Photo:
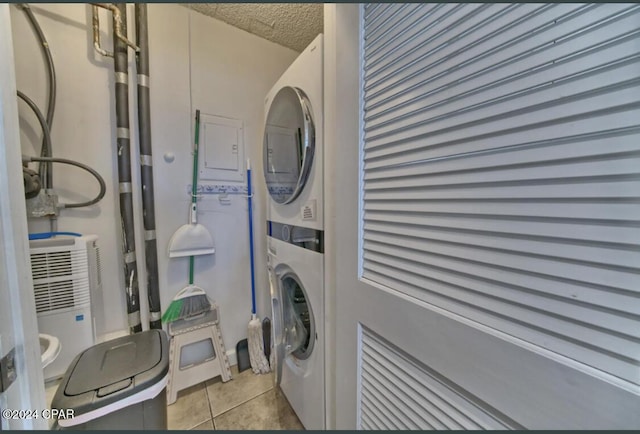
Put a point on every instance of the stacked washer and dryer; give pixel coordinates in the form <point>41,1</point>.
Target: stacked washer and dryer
<point>293,168</point>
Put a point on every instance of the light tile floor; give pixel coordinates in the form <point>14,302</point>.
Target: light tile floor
<point>248,401</point>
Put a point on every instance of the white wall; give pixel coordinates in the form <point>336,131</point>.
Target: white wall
<point>231,72</point>
<point>82,130</point>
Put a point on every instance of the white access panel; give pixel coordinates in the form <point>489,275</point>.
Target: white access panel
<point>222,148</point>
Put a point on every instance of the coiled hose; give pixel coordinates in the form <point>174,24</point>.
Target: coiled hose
<point>45,171</point>
<point>47,136</point>
<point>45,175</point>
<point>103,185</point>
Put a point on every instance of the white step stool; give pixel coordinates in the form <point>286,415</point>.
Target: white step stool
<point>196,352</point>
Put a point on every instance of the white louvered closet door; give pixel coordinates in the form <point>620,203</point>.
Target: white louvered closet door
<point>488,247</point>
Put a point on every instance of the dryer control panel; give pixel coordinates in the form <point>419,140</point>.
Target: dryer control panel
<point>307,238</point>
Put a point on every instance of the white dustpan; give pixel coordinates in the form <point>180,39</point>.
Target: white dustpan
<point>192,239</point>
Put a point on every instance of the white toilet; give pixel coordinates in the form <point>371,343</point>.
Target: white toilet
<point>49,348</point>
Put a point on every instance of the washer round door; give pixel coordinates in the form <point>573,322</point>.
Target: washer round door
<point>298,321</point>
<point>289,144</point>
<point>293,329</point>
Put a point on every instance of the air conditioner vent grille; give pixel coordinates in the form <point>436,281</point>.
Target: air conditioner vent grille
<point>60,280</point>
<point>51,264</point>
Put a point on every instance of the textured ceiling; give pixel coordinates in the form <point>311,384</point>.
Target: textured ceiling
<point>293,25</point>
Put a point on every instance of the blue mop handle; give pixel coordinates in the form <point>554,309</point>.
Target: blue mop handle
<point>253,278</point>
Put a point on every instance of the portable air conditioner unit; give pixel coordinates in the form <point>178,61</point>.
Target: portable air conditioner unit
<point>68,289</point>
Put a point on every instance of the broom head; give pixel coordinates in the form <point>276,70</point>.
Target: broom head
<point>190,301</point>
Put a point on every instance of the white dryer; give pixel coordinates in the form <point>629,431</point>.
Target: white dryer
<point>293,142</point>
<point>293,168</point>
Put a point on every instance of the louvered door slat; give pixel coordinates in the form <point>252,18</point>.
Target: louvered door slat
<point>576,192</point>
<point>525,93</point>
<point>622,211</point>
<point>611,256</point>
<point>377,12</point>
<point>623,280</point>
<point>397,393</point>
<point>501,173</point>
<point>393,23</point>
<point>541,36</point>
<point>393,414</point>
<point>450,409</point>
<point>440,415</point>
<point>403,70</point>
<point>477,24</point>
<point>390,387</point>
<point>419,149</point>
<point>613,336</point>
<point>558,172</point>
<point>546,68</point>
<point>507,322</point>
<point>590,104</point>
<point>370,418</point>
<point>412,25</point>
<point>430,25</point>
<point>576,148</point>
<point>571,232</point>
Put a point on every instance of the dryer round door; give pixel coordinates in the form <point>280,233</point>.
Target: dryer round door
<point>289,144</point>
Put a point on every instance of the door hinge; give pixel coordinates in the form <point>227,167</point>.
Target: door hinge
<point>8,372</point>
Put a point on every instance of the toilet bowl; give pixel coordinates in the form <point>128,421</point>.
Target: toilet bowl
<point>49,348</point>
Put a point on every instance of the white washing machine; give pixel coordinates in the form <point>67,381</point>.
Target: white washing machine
<point>296,278</point>
<point>293,168</point>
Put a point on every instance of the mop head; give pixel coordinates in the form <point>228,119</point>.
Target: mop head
<point>272,357</point>
<point>259,363</point>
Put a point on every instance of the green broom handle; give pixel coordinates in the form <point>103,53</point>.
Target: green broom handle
<point>194,185</point>
<point>191,262</point>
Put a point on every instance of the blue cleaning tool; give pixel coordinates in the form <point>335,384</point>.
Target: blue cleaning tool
<point>259,363</point>
<point>253,277</point>
<point>45,235</point>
